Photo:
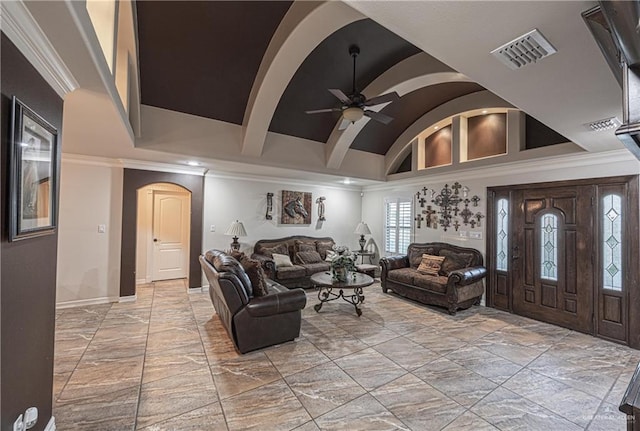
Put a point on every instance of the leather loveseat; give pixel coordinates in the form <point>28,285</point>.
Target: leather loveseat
<point>297,247</point>
<point>253,322</point>
<point>458,285</point>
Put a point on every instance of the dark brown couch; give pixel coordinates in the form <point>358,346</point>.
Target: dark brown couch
<point>458,285</point>
<point>252,322</point>
<point>300,273</point>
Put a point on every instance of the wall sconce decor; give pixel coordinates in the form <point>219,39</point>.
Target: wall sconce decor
<point>269,215</point>
<point>448,213</point>
<point>236,229</point>
<point>320,202</point>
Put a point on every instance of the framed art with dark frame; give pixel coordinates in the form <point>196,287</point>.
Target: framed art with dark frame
<point>33,174</point>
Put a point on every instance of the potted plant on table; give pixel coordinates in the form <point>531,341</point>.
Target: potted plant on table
<point>342,263</point>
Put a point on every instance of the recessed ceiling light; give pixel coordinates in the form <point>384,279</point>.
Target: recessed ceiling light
<point>347,181</point>
<point>435,128</point>
<point>193,163</point>
<point>484,111</point>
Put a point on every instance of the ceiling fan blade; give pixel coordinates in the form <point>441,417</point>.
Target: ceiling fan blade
<point>389,97</point>
<point>378,116</point>
<point>344,124</point>
<point>318,111</point>
<point>340,95</point>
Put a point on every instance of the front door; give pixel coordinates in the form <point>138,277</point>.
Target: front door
<point>170,235</point>
<point>552,255</point>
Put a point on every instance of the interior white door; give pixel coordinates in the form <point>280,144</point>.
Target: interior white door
<point>170,235</point>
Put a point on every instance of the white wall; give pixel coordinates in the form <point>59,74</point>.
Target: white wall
<point>579,166</point>
<point>89,261</point>
<point>227,199</point>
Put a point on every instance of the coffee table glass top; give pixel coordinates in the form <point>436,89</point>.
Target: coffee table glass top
<point>326,286</point>
<point>354,279</point>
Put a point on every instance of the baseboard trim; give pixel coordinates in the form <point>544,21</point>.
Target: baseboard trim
<point>84,302</point>
<point>51,426</point>
<point>130,298</point>
<point>197,289</point>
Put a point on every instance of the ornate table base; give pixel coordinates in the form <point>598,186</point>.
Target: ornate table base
<point>326,294</point>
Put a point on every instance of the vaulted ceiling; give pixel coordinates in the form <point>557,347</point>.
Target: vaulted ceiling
<point>227,82</point>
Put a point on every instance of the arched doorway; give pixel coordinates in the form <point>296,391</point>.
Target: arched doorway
<point>162,232</point>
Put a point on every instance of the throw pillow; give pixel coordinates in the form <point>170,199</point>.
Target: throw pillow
<point>323,247</point>
<point>256,276</point>
<point>430,264</point>
<point>308,257</point>
<point>301,246</point>
<point>237,255</point>
<point>278,249</point>
<point>330,255</point>
<point>454,260</point>
<point>282,260</point>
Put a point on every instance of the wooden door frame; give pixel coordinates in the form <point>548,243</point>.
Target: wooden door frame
<point>632,279</point>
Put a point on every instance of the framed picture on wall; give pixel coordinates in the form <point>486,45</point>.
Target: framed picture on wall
<point>33,174</point>
<point>296,207</point>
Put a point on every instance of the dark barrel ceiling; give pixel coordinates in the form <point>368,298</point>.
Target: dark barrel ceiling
<point>202,57</point>
<point>329,65</point>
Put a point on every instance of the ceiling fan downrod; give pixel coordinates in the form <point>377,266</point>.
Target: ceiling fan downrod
<point>354,50</point>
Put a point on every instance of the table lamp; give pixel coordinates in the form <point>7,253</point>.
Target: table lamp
<point>236,229</point>
<point>362,229</point>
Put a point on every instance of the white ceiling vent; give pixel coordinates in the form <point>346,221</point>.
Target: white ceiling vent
<point>526,49</point>
<point>605,124</point>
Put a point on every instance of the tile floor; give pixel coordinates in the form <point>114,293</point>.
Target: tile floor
<point>165,362</point>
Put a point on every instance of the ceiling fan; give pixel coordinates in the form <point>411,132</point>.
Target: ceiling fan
<point>354,105</point>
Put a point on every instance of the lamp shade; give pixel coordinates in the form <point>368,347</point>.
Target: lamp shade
<point>362,229</point>
<point>353,113</point>
<point>236,229</point>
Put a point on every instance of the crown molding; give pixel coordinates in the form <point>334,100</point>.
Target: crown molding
<point>283,180</point>
<point>162,167</point>
<point>516,168</point>
<point>23,30</point>
<point>79,159</point>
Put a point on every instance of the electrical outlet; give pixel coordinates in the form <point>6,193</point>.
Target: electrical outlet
<point>475,235</point>
<point>102,228</point>
<point>463,233</point>
<point>212,228</point>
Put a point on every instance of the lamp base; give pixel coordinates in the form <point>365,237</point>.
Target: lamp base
<point>235,245</point>
<point>362,242</point>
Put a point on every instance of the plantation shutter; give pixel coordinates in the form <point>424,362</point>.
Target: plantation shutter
<point>397,225</point>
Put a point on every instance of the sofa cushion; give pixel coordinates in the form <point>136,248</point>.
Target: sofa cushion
<point>282,260</point>
<point>323,246</point>
<point>402,275</point>
<point>289,272</point>
<point>454,260</point>
<point>256,276</point>
<point>277,248</point>
<point>415,253</point>
<point>430,264</point>
<point>433,283</point>
<point>302,247</point>
<point>304,257</point>
<point>312,268</point>
<point>330,255</point>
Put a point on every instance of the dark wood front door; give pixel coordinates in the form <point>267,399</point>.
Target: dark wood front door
<point>552,252</point>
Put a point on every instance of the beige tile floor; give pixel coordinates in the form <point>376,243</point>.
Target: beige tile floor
<point>165,362</point>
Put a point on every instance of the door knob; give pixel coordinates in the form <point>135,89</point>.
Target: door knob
<point>155,240</point>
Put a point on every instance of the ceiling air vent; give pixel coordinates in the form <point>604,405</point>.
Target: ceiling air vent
<point>526,49</point>
<point>602,125</point>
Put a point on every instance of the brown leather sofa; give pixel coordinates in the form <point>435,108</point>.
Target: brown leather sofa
<point>253,322</point>
<point>458,285</point>
<point>300,273</point>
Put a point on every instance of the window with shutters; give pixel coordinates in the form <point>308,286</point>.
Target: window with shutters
<point>397,231</point>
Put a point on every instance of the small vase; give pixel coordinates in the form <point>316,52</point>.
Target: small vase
<point>340,273</point>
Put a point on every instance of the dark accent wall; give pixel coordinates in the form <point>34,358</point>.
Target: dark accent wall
<point>437,148</point>
<point>487,136</point>
<point>135,179</point>
<point>27,267</point>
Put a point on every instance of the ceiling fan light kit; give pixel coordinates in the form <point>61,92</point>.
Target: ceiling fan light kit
<point>353,105</point>
<point>353,113</point>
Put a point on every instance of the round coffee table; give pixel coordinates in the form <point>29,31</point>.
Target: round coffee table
<point>325,284</point>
